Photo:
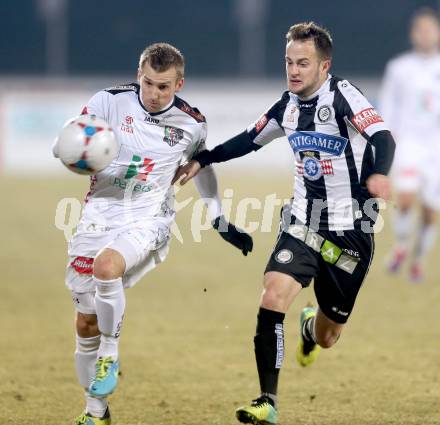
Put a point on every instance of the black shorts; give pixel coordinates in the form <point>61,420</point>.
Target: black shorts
<point>335,288</point>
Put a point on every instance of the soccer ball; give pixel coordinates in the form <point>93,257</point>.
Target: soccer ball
<point>86,145</point>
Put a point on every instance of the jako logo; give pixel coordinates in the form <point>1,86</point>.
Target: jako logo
<point>139,168</point>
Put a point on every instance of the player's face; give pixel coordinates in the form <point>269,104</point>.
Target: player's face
<point>158,88</point>
<point>306,70</point>
<point>425,34</point>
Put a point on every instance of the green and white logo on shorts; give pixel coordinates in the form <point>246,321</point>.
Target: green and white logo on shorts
<point>330,252</point>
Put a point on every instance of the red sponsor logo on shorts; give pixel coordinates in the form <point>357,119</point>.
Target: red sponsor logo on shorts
<point>83,265</point>
<point>365,118</point>
<point>261,123</point>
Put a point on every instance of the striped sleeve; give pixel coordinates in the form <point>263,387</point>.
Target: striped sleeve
<point>269,126</point>
<point>359,112</point>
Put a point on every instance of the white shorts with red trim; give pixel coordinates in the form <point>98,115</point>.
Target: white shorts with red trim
<point>415,170</point>
<point>143,247</point>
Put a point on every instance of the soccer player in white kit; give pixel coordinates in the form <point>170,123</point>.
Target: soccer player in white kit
<point>410,104</point>
<point>125,226</point>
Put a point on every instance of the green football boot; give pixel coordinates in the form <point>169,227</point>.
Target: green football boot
<point>259,412</point>
<point>88,419</point>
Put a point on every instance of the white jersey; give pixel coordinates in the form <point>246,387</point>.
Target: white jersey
<point>410,98</point>
<point>136,186</point>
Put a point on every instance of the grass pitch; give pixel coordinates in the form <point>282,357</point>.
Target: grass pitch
<point>186,348</point>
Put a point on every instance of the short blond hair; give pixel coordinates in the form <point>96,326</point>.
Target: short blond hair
<point>161,57</point>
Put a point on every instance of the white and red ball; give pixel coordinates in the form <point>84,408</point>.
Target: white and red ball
<point>86,145</point>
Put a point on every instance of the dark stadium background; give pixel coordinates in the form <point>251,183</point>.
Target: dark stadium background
<point>103,37</point>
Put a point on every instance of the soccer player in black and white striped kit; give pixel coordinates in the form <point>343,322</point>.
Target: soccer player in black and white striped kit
<point>343,153</point>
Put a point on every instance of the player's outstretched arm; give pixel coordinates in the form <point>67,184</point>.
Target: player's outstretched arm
<point>239,145</point>
<point>206,183</point>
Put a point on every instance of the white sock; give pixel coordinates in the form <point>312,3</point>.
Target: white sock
<point>110,308</point>
<point>109,347</point>
<point>86,354</point>
<point>425,240</point>
<point>96,406</point>
<point>403,221</point>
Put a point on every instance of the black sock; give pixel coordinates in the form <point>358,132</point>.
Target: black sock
<point>309,339</point>
<point>269,349</point>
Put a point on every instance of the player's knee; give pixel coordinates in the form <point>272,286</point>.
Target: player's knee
<point>87,325</point>
<point>274,297</point>
<point>108,265</point>
<point>406,201</point>
<point>429,216</point>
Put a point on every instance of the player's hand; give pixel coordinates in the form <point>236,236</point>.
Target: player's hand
<point>379,186</point>
<point>235,236</point>
<point>188,171</point>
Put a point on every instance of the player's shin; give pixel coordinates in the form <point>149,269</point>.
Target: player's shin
<point>96,406</point>
<point>269,350</point>
<point>403,227</point>
<point>110,307</point>
<point>425,240</point>
<point>86,354</point>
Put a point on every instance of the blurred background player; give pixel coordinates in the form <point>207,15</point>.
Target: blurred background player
<point>125,226</point>
<point>410,104</point>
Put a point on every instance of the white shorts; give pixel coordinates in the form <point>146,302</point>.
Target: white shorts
<point>415,170</point>
<point>143,248</point>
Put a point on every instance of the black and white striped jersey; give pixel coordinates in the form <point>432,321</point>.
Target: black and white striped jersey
<point>329,133</point>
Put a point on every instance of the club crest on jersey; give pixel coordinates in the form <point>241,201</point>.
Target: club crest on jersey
<point>312,168</point>
<point>173,135</point>
<point>301,141</point>
<point>324,113</point>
